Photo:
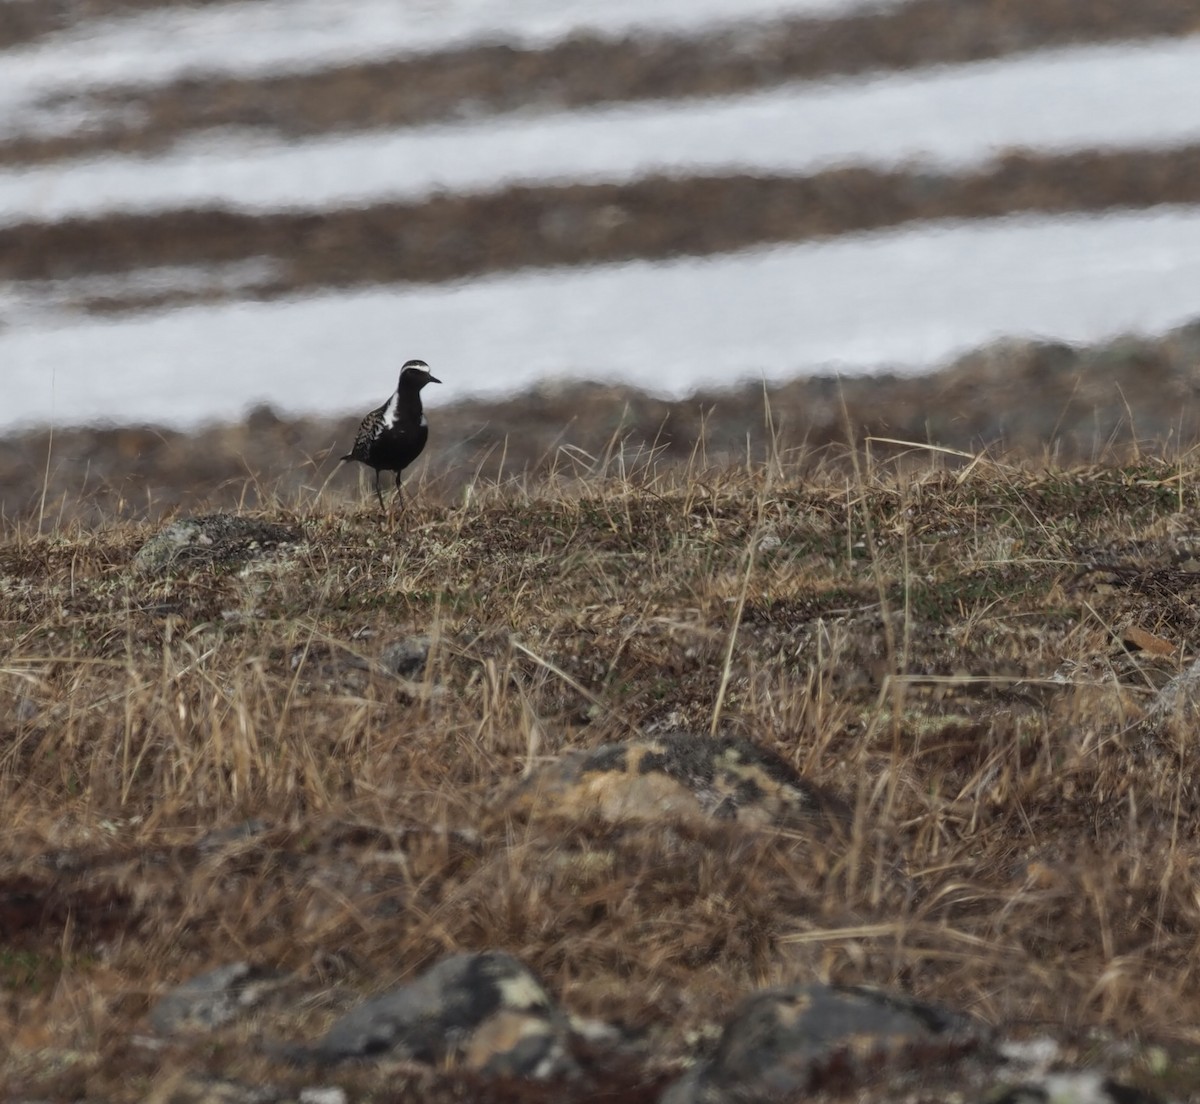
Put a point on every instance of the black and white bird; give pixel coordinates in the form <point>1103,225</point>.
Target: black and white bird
<point>392,436</point>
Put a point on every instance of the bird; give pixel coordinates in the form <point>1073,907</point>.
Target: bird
<point>392,436</point>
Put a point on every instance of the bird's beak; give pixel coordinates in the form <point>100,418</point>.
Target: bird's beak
<point>434,379</point>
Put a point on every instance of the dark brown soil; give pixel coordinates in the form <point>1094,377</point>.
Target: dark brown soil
<point>456,236</point>
<point>23,21</point>
<point>585,70</point>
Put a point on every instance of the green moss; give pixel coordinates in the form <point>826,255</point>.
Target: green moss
<point>30,972</point>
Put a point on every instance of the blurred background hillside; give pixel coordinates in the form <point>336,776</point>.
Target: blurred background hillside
<point>224,225</point>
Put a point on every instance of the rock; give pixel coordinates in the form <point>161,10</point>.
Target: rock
<point>331,1095</point>
<point>211,999</point>
<point>213,539</point>
<point>336,667</point>
<point>406,657</point>
<point>1086,1087</point>
<point>789,1041</point>
<point>1178,701</point>
<point>673,775</point>
<point>487,1008</point>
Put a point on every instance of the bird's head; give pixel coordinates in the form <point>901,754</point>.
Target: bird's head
<point>416,374</point>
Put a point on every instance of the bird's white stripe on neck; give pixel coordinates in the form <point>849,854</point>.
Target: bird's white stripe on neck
<point>391,412</point>
<point>424,423</point>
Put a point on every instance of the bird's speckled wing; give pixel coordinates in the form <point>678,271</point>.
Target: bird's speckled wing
<point>368,433</point>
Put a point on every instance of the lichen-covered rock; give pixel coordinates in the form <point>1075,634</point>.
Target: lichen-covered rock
<point>405,658</point>
<point>675,775</point>
<point>781,1042</point>
<point>212,539</point>
<point>486,1008</point>
<point>211,999</point>
<point>1080,1087</point>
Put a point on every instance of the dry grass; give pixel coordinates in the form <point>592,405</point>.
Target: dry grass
<point>1020,847</point>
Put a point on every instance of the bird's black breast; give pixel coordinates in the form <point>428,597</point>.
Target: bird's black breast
<point>395,447</point>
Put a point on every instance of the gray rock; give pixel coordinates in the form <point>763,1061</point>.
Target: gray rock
<point>1082,1087</point>
<point>486,1007</point>
<point>211,999</point>
<point>680,775</point>
<point>330,1095</point>
<point>406,657</point>
<point>213,539</point>
<point>783,1042</point>
<point>1179,701</point>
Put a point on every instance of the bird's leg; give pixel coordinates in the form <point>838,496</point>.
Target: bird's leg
<point>399,491</point>
<point>378,492</point>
